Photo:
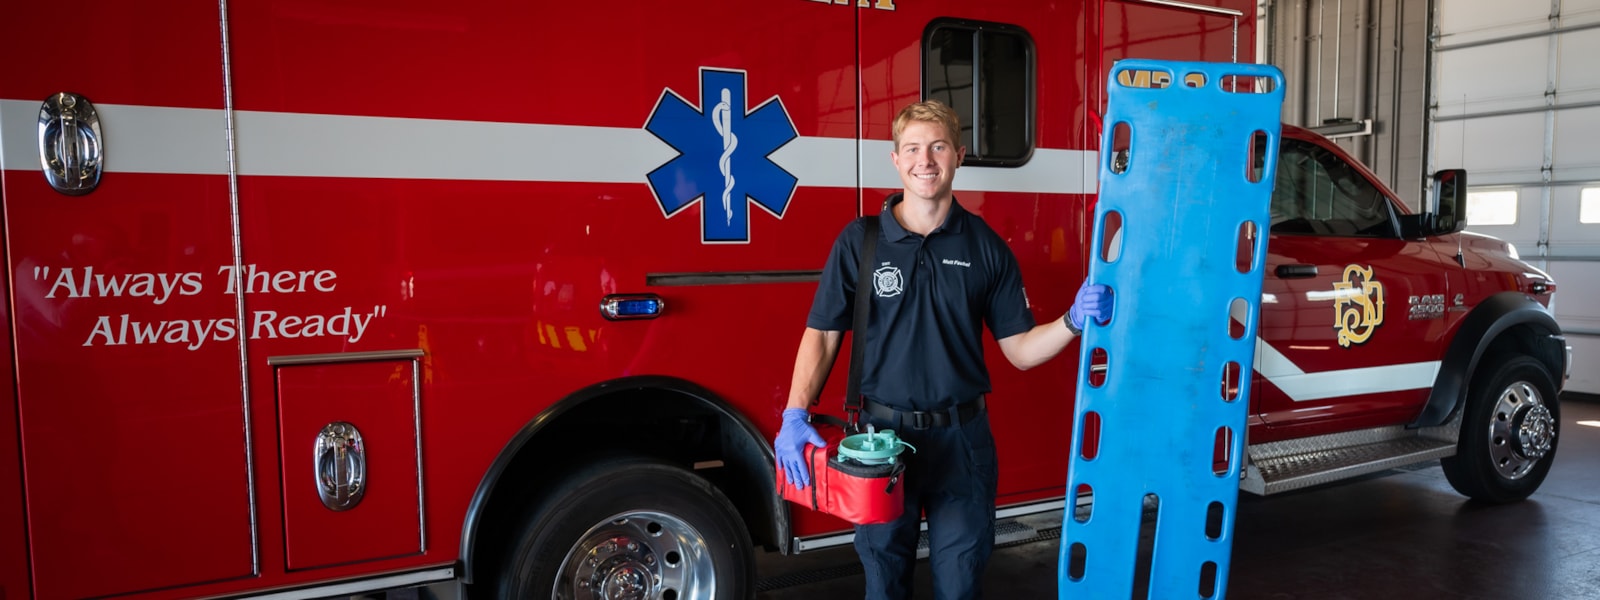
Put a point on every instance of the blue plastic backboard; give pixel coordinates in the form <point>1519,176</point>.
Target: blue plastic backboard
<point>1184,197</point>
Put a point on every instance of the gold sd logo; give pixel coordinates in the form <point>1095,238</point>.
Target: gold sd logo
<point>1357,305</point>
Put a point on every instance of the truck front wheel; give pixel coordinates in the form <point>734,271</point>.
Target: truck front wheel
<point>1508,432</point>
<point>631,529</point>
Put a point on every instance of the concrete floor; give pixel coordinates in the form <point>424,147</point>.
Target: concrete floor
<point>1403,533</point>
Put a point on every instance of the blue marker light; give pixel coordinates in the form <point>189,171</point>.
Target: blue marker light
<point>621,307</point>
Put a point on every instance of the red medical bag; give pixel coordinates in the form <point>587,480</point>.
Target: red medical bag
<point>859,493</point>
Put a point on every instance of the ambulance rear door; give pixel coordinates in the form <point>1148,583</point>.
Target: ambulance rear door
<point>127,353</point>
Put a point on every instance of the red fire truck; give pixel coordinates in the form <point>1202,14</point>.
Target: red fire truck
<point>312,298</point>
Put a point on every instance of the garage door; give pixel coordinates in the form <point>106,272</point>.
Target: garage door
<point>1516,101</point>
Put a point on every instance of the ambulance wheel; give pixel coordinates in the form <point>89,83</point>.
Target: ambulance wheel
<point>1508,432</point>
<point>630,528</point>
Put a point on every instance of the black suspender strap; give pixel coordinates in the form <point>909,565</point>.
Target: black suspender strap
<point>858,344</point>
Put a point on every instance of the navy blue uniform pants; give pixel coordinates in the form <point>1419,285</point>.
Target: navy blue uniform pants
<point>952,478</point>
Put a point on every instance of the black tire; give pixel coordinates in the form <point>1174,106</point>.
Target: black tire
<point>1508,432</point>
<point>630,528</point>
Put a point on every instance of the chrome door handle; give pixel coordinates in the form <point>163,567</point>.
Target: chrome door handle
<point>341,466</point>
<point>70,147</point>
<point>1295,271</point>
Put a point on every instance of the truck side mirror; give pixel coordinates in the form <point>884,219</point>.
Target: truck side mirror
<point>1445,210</point>
<point>1448,201</point>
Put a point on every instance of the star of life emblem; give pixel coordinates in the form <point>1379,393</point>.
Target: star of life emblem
<point>724,162</point>
<point>887,282</point>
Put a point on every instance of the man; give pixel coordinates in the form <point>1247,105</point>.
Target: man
<point>939,275</point>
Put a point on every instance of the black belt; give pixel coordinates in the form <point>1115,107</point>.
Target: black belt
<point>923,419</point>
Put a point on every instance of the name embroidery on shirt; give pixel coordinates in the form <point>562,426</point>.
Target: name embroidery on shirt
<point>959,263</point>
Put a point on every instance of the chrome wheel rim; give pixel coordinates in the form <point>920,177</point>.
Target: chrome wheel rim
<point>1521,432</point>
<point>637,555</point>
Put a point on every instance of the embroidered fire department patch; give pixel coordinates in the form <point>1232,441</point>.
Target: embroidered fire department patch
<point>887,282</point>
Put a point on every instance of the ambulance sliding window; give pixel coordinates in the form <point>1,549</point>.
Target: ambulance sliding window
<point>985,72</point>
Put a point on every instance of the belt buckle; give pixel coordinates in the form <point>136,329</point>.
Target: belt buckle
<point>921,420</point>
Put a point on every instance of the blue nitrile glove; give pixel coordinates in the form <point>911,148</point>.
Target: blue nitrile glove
<point>791,446</point>
<point>1094,300</point>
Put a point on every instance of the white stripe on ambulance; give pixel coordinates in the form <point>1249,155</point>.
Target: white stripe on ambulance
<point>146,139</point>
<point>1301,386</point>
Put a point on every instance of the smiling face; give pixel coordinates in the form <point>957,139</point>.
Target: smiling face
<point>926,155</point>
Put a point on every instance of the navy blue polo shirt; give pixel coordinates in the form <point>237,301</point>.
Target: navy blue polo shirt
<point>931,298</point>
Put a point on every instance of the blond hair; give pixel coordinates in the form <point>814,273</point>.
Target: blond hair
<point>931,111</point>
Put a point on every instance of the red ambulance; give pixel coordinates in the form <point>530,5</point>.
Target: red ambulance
<point>312,298</point>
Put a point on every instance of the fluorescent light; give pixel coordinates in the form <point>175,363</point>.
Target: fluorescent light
<point>1338,128</point>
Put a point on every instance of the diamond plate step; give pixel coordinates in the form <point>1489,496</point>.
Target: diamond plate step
<point>1005,532</point>
<point>1282,466</point>
<point>1008,532</point>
